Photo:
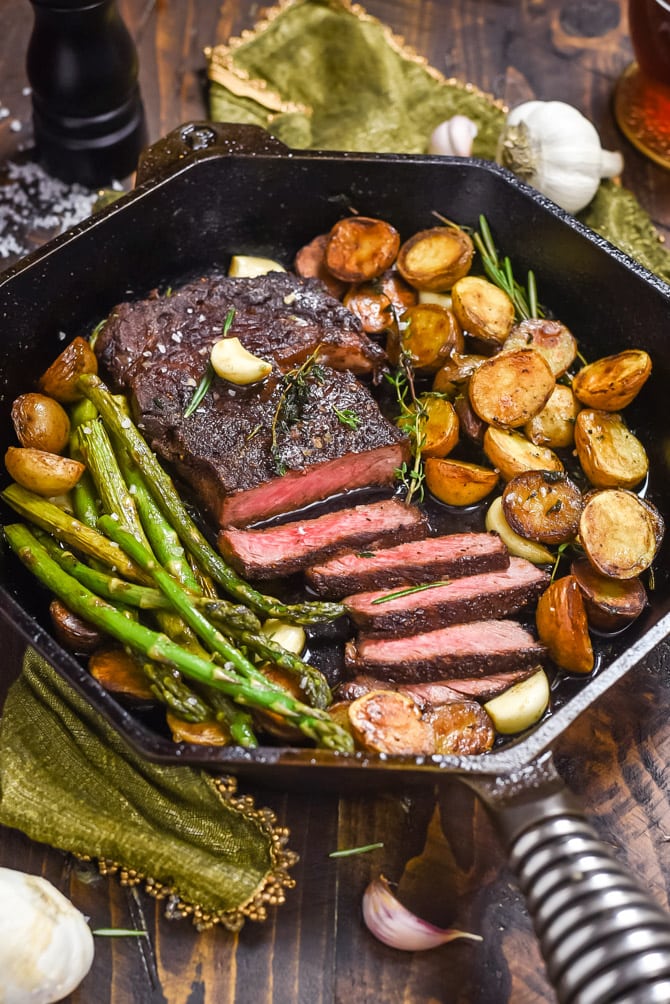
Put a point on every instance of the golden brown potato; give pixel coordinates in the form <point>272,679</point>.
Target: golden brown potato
<point>461,728</point>
<point>438,426</point>
<point>550,338</point>
<point>120,673</point>
<point>511,453</point>
<point>371,306</point>
<point>562,626</point>
<point>361,248</point>
<point>543,505</point>
<point>554,426</point>
<point>620,532</point>
<point>207,733</point>
<point>612,382</point>
<point>483,310</point>
<point>610,455</point>
<point>43,473</point>
<point>401,295</point>
<point>428,334</point>
<point>384,721</point>
<point>457,482</point>
<point>611,604</point>
<point>434,259</point>
<point>512,387</point>
<point>310,263</point>
<point>72,631</point>
<point>40,423</point>
<point>455,372</point>
<point>60,380</point>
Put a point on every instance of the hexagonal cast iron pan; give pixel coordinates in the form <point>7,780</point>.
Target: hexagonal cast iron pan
<point>210,190</point>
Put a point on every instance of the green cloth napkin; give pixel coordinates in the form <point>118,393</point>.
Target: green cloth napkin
<point>68,779</point>
<point>324,74</point>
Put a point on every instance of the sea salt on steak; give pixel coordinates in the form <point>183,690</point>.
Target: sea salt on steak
<point>241,457</point>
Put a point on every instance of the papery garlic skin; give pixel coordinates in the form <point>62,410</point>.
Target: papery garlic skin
<point>396,926</point>
<point>553,147</point>
<point>454,137</point>
<point>46,945</point>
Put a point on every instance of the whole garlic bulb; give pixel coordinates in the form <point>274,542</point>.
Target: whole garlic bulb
<point>553,147</point>
<point>46,946</point>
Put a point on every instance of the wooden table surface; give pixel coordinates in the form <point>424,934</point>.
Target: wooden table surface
<point>615,758</point>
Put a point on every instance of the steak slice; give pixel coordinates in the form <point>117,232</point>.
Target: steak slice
<point>479,688</point>
<point>458,651</point>
<point>282,550</point>
<point>434,558</point>
<point>488,595</point>
<point>278,316</point>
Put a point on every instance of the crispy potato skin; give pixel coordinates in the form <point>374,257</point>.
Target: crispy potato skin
<point>482,309</point>
<point>611,383</point>
<point>385,721</point>
<point>458,483</point>
<point>554,426</point>
<point>550,338</point>
<point>511,387</point>
<point>361,248</point>
<point>620,532</point>
<point>435,259</point>
<point>60,379</point>
<point>40,423</point>
<point>429,334</point>
<point>371,306</point>
<point>439,426</point>
<point>610,455</point>
<point>207,733</point>
<point>310,263</point>
<point>511,453</point>
<point>611,604</point>
<point>73,633</point>
<point>543,505</point>
<point>455,372</point>
<point>562,625</point>
<point>118,672</point>
<point>460,728</point>
<point>43,473</point>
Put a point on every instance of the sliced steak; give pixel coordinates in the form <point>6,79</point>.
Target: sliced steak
<point>457,554</point>
<point>476,597</point>
<point>458,652</point>
<point>282,550</point>
<point>480,688</point>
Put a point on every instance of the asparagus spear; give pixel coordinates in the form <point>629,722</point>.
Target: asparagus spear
<point>84,498</point>
<point>165,494</point>
<point>314,723</point>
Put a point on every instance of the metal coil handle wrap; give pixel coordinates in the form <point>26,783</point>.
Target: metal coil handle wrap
<point>603,938</point>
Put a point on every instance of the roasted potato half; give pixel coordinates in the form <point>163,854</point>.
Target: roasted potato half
<point>457,482</point>
<point>460,728</point>
<point>620,532</point>
<point>550,338</point>
<point>438,426</point>
<point>385,721</point>
<point>455,372</point>
<point>40,423</point>
<point>610,455</point>
<point>554,426</point>
<point>371,306</point>
<point>208,733</point>
<point>511,453</point>
<point>543,505</point>
<point>428,334</point>
<point>44,473</point>
<point>60,379</point>
<point>120,673</point>
<point>510,388</point>
<point>562,626</point>
<point>612,382</point>
<point>611,604</point>
<point>515,544</point>
<point>310,263</point>
<point>74,633</point>
<point>360,248</point>
<point>472,426</point>
<point>483,310</point>
<point>434,259</point>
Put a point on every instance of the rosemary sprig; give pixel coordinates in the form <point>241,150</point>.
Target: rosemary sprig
<point>206,382</point>
<point>412,411</point>
<point>348,852</point>
<point>500,273</point>
<point>408,592</point>
<point>294,394</point>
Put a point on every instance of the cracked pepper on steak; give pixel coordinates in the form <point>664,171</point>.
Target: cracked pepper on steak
<point>157,349</point>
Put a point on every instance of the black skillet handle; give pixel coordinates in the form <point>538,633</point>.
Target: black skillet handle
<point>603,939</point>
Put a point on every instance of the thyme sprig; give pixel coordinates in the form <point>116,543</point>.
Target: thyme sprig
<point>292,400</point>
<point>348,417</point>
<point>410,419</point>
<point>206,382</point>
<point>500,273</point>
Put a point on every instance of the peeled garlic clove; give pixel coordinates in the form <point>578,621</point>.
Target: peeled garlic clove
<point>231,361</point>
<point>454,137</point>
<point>516,544</point>
<point>395,925</point>
<point>46,946</point>
<point>521,706</point>
<point>244,266</point>
<point>290,636</point>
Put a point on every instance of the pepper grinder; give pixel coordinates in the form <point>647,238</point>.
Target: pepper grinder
<point>88,117</point>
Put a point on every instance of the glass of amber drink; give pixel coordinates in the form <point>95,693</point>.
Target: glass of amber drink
<point>642,96</point>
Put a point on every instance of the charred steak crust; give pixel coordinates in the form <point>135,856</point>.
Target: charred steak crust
<point>289,548</point>
<point>243,463</point>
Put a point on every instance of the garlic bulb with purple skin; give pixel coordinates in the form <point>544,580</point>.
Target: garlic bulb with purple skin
<point>396,926</point>
<point>454,137</point>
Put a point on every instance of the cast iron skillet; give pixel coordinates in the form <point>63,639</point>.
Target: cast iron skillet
<point>210,190</point>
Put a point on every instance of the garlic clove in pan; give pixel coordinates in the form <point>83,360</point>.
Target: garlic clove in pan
<point>521,706</point>
<point>231,361</point>
<point>396,926</point>
<point>553,147</point>
<point>243,266</point>
<point>46,946</point>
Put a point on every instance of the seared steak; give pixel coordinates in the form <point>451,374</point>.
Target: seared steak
<point>412,564</point>
<point>458,651</point>
<point>282,550</point>
<point>256,451</point>
<point>480,688</point>
<point>476,597</point>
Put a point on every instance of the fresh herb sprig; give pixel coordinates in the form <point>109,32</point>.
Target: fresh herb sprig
<point>348,417</point>
<point>292,400</point>
<point>412,413</point>
<point>500,273</point>
<point>206,382</point>
<point>387,597</point>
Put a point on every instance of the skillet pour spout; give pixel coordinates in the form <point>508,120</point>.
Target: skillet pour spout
<point>603,939</point>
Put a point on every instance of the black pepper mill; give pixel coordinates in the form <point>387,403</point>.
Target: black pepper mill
<point>88,117</point>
